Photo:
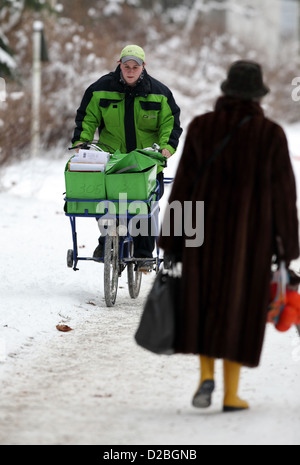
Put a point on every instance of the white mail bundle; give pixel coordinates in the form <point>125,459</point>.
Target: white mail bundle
<point>89,160</point>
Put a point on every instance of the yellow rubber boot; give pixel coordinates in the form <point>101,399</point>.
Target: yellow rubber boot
<point>207,368</point>
<point>202,397</point>
<point>232,402</point>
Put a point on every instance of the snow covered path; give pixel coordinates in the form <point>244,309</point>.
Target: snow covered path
<point>94,385</point>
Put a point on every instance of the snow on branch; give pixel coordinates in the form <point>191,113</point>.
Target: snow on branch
<point>7,60</point>
<point>11,14</point>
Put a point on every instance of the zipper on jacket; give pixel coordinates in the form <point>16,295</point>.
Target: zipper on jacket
<point>129,123</point>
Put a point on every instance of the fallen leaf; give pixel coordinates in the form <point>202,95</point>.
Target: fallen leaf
<point>63,328</point>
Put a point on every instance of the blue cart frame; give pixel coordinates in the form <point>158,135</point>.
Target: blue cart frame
<point>118,250</point>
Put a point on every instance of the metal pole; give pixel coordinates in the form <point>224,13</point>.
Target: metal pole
<point>38,27</point>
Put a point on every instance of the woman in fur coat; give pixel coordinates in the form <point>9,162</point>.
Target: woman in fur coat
<point>249,196</point>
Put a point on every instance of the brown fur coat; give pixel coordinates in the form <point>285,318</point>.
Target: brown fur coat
<point>249,198</point>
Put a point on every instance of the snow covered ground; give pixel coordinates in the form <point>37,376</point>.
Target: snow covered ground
<point>94,385</point>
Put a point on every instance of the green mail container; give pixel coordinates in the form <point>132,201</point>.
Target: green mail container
<point>137,186</point>
<point>81,208</point>
<point>84,185</point>
<point>101,186</point>
<point>134,162</point>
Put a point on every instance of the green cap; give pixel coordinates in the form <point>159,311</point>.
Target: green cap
<point>133,52</point>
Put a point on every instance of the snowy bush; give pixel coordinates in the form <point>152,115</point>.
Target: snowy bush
<point>84,43</point>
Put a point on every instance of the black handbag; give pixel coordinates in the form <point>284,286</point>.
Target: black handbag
<point>157,328</point>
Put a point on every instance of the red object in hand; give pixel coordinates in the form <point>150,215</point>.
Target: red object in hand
<point>291,312</point>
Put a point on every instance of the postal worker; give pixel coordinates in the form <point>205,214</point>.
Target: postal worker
<point>130,110</point>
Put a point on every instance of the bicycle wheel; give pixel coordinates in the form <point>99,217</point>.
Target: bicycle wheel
<point>111,268</point>
<point>134,277</point>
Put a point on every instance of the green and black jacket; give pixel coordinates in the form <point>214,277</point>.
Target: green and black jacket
<point>127,117</point>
